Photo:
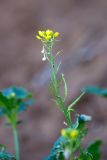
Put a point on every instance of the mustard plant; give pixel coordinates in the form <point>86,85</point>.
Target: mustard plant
<point>69,144</point>
<point>12,101</point>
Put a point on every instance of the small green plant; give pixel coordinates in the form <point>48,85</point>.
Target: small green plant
<point>69,145</point>
<point>12,101</point>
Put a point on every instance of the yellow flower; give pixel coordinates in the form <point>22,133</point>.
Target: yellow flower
<point>74,133</point>
<point>38,37</point>
<point>41,33</point>
<point>49,32</point>
<point>48,38</point>
<point>47,35</point>
<point>63,133</point>
<point>56,34</point>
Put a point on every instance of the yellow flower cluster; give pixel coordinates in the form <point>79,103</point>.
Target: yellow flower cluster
<point>47,35</point>
<point>73,133</point>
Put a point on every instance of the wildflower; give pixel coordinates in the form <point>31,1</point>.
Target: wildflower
<point>49,32</point>
<point>41,33</point>
<point>74,133</point>
<point>56,34</point>
<point>47,36</point>
<point>39,38</point>
<point>63,133</point>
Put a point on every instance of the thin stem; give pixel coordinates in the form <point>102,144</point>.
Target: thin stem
<point>16,142</point>
<point>56,85</point>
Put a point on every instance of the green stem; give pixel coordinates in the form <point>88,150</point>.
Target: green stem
<point>16,142</point>
<point>56,85</point>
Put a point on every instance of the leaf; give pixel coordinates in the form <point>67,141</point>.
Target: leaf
<point>65,87</point>
<point>57,150</point>
<point>95,150</point>
<point>75,101</point>
<point>52,90</point>
<point>18,92</point>
<point>4,101</point>
<point>81,121</point>
<point>2,111</point>
<point>57,69</point>
<point>59,53</point>
<point>84,118</point>
<point>14,100</point>
<point>96,90</point>
<point>6,156</point>
<point>24,105</point>
<point>21,92</point>
<point>85,156</point>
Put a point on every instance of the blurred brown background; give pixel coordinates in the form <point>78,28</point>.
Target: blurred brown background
<point>83,28</point>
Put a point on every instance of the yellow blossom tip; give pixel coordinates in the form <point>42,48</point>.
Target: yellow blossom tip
<point>56,34</point>
<point>48,38</point>
<point>41,33</point>
<point>63,132</point>
<point>38,37</point>
<point>74,133</point>
<point>49,32</point>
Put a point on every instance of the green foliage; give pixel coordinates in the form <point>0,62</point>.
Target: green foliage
<point>57,150</point>
<point>75,101</point>
<point>14,100</point>
<point>6,156</point>
<point>95,150</point>
<point>69,145</point>
<point>65,86</point>
<point>19,92</point>
<point>85,156</point>
<point>96,91</point>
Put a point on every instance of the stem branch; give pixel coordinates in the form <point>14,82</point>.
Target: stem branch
<point>56,85</point>
<point>16,142</point>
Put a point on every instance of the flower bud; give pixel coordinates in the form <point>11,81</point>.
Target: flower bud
<point>49,32</point>
<point>74,133</point>
<point>38,37</point>
<point>41,33</point>
<point>56,34</point>
<point>63,132</point>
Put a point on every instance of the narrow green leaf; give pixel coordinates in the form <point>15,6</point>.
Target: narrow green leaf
<point>58,53</point>
<point>52,90</point>
<point>58,67</point>
<point>57,150</point>
<point>65,87</point>
<point>57,104</point>
<point>75,101</point>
